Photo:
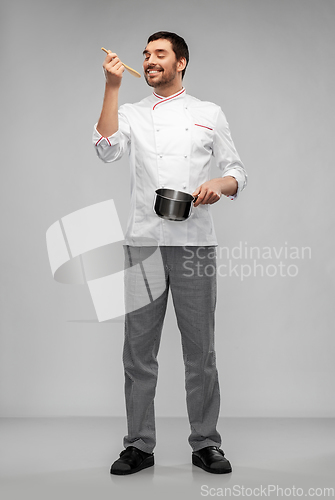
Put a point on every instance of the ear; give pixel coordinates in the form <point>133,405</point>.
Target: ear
<point>181,64</point>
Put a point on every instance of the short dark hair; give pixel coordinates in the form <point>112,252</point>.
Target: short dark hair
<point>179,45</point>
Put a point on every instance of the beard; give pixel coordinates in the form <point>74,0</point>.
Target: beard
<point>165,77</point>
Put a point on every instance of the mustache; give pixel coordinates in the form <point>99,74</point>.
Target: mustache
<point>153,67</point>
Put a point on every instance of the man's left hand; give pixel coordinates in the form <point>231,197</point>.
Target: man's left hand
<point>211,191</point>
<point>208,193</point>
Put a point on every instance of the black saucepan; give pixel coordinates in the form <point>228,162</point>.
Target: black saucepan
<point>173,205</point>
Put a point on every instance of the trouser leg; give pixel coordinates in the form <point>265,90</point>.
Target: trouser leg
<point>143,327</point>
<point>194,298</point>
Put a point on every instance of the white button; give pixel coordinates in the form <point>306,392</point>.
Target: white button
<point>186,128</point>
<point>184,186</point>
<point>185,156</point>
<point>157,130</point>
<point>161,156</point>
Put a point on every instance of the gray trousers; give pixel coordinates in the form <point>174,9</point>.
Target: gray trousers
<point>190,273</point>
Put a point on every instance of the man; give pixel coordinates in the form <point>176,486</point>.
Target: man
<point>170,138</point>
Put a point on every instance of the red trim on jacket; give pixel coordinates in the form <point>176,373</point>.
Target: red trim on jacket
<point>168,99</point>
<point>102,137</point>
<point>204,126</point>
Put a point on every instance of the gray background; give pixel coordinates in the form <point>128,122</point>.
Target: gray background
<point>270,66</point>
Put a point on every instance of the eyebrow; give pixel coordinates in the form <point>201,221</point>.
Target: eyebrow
<point>157,50</point>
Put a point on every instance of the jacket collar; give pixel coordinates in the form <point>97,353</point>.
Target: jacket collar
<point>160,99</point>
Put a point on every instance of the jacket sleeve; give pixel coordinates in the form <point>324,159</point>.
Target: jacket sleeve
<point>112,148</point>
<point>226,156</point>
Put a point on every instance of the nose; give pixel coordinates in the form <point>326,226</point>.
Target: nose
<point>151,60</point>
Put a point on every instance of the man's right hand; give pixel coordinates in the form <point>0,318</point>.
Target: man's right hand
<point>113,69</point>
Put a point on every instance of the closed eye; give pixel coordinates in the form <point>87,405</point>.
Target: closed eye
<point>159,57</point>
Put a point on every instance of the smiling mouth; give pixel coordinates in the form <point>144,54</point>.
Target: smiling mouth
<point>153,72</point>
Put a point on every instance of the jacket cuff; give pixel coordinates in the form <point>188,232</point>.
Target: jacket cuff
<point>99,139</point>
<point>240,182</point>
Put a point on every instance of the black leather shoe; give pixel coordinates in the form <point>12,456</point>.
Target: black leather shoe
<point>132,460</point>
<point>211,459</point>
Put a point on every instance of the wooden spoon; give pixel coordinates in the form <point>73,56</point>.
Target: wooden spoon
<point>128,68</point>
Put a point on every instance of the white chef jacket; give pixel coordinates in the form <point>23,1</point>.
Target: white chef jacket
<point>170,141</point>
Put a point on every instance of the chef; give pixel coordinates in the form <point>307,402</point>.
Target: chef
<point>170,138</point>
